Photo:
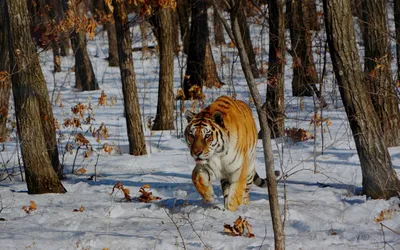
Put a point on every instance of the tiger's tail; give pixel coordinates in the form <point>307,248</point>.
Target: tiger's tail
<point>260,182</point>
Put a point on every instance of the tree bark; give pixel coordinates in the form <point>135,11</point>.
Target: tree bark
<point>164,119</point>
<point>276,68</point>
<point>32,105</point>
<point>377,68</point>
<point>5,82</point>
<point>379,179</point>
<point>304,72</point>
<point>183,10</point>
<point>248,46</point>
<point>137,145</point>
<point>236,36</point>
<point>396,8</point>
<point>85,78</point>
<point>218,28</point>
<point>200,70</point>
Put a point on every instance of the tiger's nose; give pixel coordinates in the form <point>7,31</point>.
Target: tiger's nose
<point>197,152</point>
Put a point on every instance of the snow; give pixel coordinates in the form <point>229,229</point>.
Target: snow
<point>325,209</point>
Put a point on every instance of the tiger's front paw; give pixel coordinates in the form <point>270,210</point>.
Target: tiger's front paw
<point>203,186</point>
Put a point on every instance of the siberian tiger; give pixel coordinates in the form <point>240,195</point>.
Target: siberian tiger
<point>223,139</point>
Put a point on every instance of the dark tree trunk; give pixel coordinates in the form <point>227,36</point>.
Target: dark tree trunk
<point>5,82</point>
<point>396,7</point>
<point>85,79</point>
<point>200,70</point>
<point>183,10</point>
<point>137,145</point>
<point>32,106</point>
<point>379,178</point>
<point>304,72</point>
<point>109,26</point>
<point>218,28</point>
<point>276,67</point>
<point>377,68</point>
<point>244,29</point>
<point>165,106</point>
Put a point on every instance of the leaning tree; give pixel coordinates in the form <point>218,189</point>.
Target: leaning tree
<point>379,179</point>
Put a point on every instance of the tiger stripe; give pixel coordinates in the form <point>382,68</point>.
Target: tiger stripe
<point>223,140</point>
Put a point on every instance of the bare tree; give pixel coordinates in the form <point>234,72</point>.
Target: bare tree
<point>234,33</point>
<point>379,178</point>
<point>304,71</point>
<point>5,81</point>
<point>104,14</point>
<point>85,78</point>
<point>377,68</point>
<point>200,70</point>
<point>274,105</point>
<point>162,19</point>
<point>183,11</point>
<point>396,8</point>
<point>31,105</point>
<point>137,145</point>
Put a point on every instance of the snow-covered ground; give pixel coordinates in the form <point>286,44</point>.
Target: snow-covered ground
<point>324,207</point>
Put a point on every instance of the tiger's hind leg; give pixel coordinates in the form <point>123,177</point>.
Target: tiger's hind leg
<point>202,180</point>
<point>249,183</point>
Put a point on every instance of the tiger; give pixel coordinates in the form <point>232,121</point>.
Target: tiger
<point>222,139</point>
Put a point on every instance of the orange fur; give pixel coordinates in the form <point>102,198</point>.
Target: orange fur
<point>234,121</point>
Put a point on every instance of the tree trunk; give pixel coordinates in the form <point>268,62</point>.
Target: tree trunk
<point>377,68</point>
<point>276,68</point>
<point>396,8</point>
<point>244,29</point>
<point>85,79</point>
<point>112,43</point>
<point>218,28</point>
<point>165,106</point>
<point>304,72</point>
<point>183,10</point>
<point>379,178</point>
<point>137,145</point>
<point>235,35</point>
<point>32,104</point>
<point>200,70</point>
<point>5,82</point>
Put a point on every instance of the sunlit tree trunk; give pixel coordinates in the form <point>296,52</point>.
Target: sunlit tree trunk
<point>32,104</point>
<point>137,145</point>
<point>379,179</point>
<point>377,68</point>
<point>162,20</point>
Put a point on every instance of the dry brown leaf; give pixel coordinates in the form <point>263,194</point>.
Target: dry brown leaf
<point>81,139</point>
<point>80,171</point>
<point>81,209</point>
<point>298,134</point>
<point>241,227</point>
<point>102,101</point>
<point>32,207</point>
<point>125,191</point>
<point>385,215</point>
<point>147,196</point>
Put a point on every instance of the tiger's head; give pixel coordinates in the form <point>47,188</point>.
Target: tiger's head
<point>205,135</point>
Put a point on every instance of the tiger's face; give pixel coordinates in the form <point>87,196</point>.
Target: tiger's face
<point>204,136</point>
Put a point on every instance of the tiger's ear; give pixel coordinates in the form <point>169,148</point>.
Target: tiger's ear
<point>218,118</point>
<point>189,115</point>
